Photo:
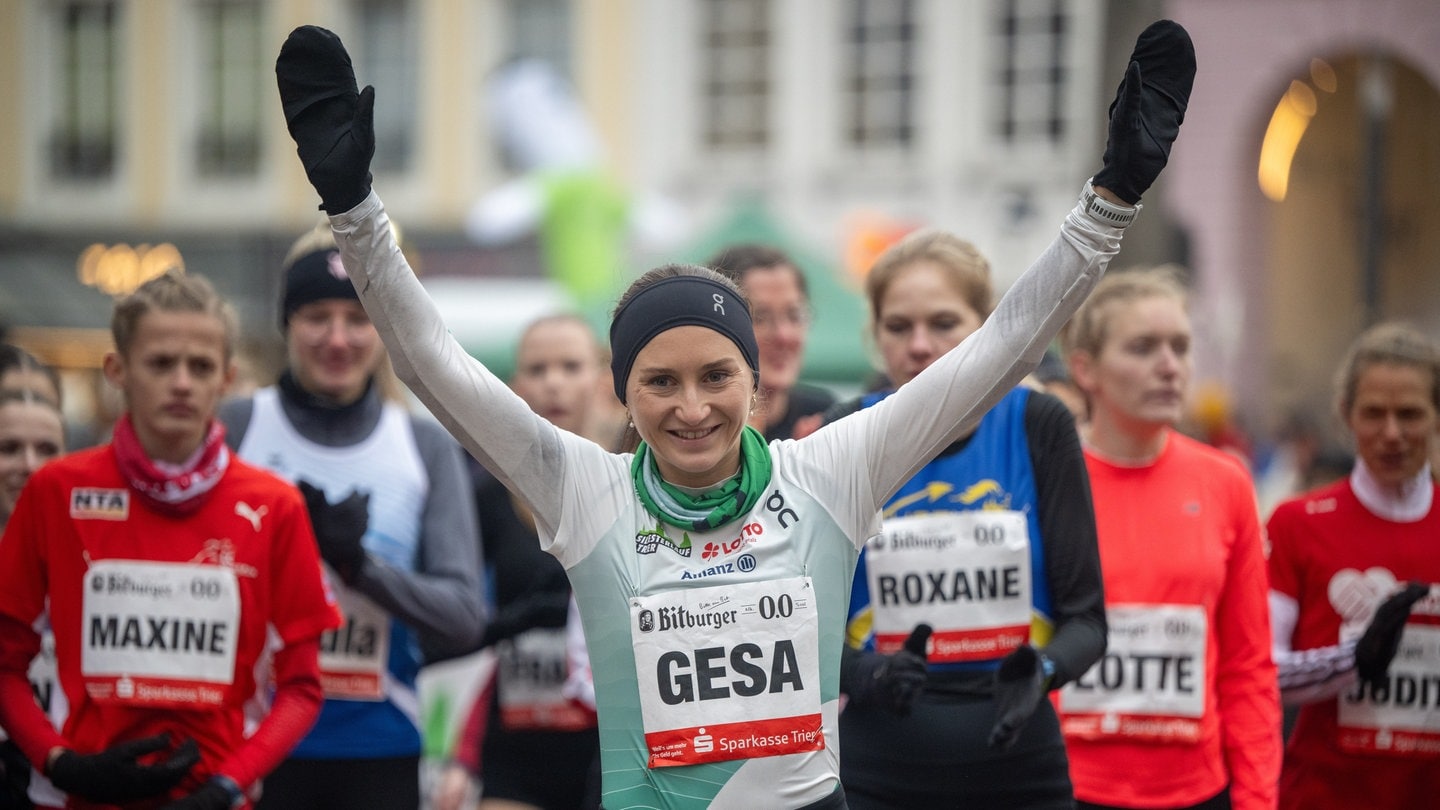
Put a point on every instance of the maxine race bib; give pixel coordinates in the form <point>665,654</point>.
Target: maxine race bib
<point>159,634</point>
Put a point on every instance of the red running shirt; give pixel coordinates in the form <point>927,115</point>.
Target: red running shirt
<point>1180,544</point>
<point>1337,560</point>
<point>159,621</point>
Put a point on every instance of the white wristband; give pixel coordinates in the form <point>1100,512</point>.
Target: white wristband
<point>1107,212</point>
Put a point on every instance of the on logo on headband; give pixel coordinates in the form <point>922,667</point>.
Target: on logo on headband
<point>685,300</point>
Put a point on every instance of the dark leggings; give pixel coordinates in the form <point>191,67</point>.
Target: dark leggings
<point>940,756</point>
<point>552,770</point>
<point>343,784</point>
<point>1220,801</point>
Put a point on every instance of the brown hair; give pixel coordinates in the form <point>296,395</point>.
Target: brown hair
<point>1090,325</point>
<point>15,359</point>
<point>737,260</point>
<point>171,291</point>
<point>1392,343</point>
<point>963,264</point>
<point>561,318</point>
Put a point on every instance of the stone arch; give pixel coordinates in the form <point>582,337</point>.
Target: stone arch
<point>1327,275</point>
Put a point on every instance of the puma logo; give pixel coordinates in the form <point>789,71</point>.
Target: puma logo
<point>251,514</point>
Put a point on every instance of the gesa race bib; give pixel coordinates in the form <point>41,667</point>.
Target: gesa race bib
<point>353,658</point>
<point>966,574</point>
<point>1402,717</point>
<point>159,634</point>
<point>1149,685</point>
<point>729,672</point>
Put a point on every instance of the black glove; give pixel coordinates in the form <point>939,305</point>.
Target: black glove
<point>892,681</point>
<point>339,528</point>
<point>1020,684</point>
<point>116,776</point>
<point>1148,109</point>
<point>213,795</point>
<point>332,124</point>
<point>1377,646</point>
<point>14,776</point>
<point>543,609</point>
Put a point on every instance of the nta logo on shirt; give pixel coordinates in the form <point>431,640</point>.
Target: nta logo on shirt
<point>99,504</point>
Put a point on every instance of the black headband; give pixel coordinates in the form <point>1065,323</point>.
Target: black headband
<point>679,301</point>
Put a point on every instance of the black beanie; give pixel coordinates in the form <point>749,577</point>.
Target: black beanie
<point>314,277</point>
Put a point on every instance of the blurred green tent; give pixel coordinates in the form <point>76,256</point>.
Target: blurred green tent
<point>835,353</point>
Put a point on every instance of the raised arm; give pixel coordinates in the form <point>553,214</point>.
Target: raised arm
<point>902,433</point>
<point>331,122</point>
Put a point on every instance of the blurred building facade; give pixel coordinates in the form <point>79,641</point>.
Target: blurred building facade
<point>1309,184</point>
<point>133,132</point>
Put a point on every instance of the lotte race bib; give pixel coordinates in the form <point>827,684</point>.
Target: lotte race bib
<point>728,672</point>
<point>1150,684</point>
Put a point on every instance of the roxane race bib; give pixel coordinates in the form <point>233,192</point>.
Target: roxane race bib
<point>966,574</point>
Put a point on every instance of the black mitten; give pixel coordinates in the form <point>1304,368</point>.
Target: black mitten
<point>1148,109</point>
<point>332,123</point>
<point>1377,646</point>
<point>213,795</point>
<point>892,681</point>
<point>116,775</point>
<point>339,528</point>
<point>543,609</point>
<point>1020,685</point>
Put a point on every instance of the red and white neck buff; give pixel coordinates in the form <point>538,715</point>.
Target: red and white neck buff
<point>172,489</point>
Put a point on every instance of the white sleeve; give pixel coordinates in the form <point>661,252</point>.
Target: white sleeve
<point>523,450</point>
<point>891,441</point>
<point>1307,675</point>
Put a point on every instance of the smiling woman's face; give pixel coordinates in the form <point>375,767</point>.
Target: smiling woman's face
<point>1394,420</point>
<point>31,433</point>
<point>690,393</point>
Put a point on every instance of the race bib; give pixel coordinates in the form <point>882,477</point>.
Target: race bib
<point>729,672</point>
<point>966,574</point>
<point>1150,684</point>
<point>1401,717</point>
<point>44,678</point>
<point>532,670</point>
<point>159,634</point>
<point>353,659</point>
